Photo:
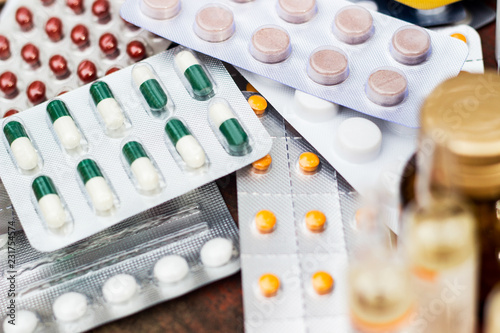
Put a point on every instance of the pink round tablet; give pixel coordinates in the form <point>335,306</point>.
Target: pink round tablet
<point>353,25</point>
<point>214,23</point>
<point>328,65</point>
<point>387,87</point>
<point>160,9</point>
<point>270,44</point>
<point>297,11</point>
<point>411,45</point>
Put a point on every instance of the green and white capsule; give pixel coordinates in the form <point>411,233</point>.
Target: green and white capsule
<point>190,67</point>
<point>97,188</point>
<point>225,121</point>
<point>49,202</point>
<point>185,143</point>
<point>21,146</point>
<point>149,86</point>
<point>107,106</point>
<point>142,168</point>
<point>68,133</point>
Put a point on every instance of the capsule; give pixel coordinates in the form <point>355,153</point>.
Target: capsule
<point>69,135</point>
<point>22,148</point>
<point>225,121</point>
<point>144,171</point>
<point>185,143</point>
<point>149,87</point>
<point>49,202</point>
<point>97,188</point>
<point>107,106</point>
<point>188,65</point>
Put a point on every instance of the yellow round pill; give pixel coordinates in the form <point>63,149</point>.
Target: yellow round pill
<point>263,164</point>
<point>258,104</point>
<point>265,221</point>
<point>308,162</point>
<point>251,88</point>
<point>322,283</point>
<point>459,36</point>
<point>315,221</point>
<point>269,285</point>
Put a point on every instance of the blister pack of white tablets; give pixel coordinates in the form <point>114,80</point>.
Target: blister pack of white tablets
<point>335,50</point>
<point>102,153</point>
<point>153,257</point>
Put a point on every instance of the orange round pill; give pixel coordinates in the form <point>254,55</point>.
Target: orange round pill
<point>251,88</point>
<point>308,162</point>
<point>263,164</point>
<point>265,221</point>
<point>459,36</point>
<point>315,221</point>
<point>322,283</point>
<point>258,104</point>
<point>269,285</point>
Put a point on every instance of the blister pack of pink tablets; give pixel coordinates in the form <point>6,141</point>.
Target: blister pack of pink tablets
<point>335,50</point>
<point>48,47</point>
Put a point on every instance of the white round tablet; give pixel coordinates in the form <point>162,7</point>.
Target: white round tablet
<point>25,322</point>
<point>119,288</point>
<point>70,306</point>
<point>3,240</point>
<point>358,140</point>
<point>312,108</point>
<point>216,252</point>
<point>171,269</point>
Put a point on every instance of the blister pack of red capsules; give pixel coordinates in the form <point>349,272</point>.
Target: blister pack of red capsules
<point>48,47</point>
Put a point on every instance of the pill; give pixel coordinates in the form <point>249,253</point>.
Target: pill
<point>150,88</point>
<point>24,18</point>
<point>8,84</point>
<point>87,72</point>
<point>387,87</point>
<point>100,9</point>
<point>297,11</point>
<point>411,45</point>
<point>160,9</point>
<point>250,88</point>
<point>36,92</point>
<point>460,37</point>
<point>171,269</point>
<point>26,322</point>
<point>328,66</point>
<point>143,169</point>
<point>70,306</point>
<point>59,66</point>
<point>76,6</point>
<point>270,44</point>
<point>308,162</point>
<point>109,45</point>
<point>322,283</point>
<point>265,221</point>
<point>185,143</point>
<point>190,67</point>
<point>10,113</point>
<point>315,221</point>
<point>119,288</point>
<point>358,140</point>
<point>4,48</point>
<point>49,202</point>
<point>224,120</point>
<point>47,2</point>
<point>216,252</point>
<point>214,23</point>
<point>97,188</point>
<point>80,35</point>
<point>66,130</point>
<point>31,55</point>
<point>54,29</point>
<point>136,50</point>
<point>263,164</point>
<point>110,111</point>
<point>112,70</point>
<point>353,24</point>
<point>258,104</point>
<point>129,25</point>
<point>269,284</point>
<point>312,108</point>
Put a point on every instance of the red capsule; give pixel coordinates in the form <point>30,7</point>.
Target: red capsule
<point>100,9</point>
<point>47,2</point>
<point>4,48</point>
<point>30,54</point>
<point>108,44</point>
<point>136,50</point>
<point>36,92</point>
<point>129,25</point>
<point>112,70</point>
<point>80,35</point>
<point>59,66</point>
<point>54,29</point>
<point>10,113</point>
<point>24,18</point>
<point>87,72</point>
<point>8,84</point>
<point>75,5</point>
<point>62,92</point>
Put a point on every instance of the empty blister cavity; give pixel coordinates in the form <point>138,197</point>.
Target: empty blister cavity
<point>228,129</point>
<point>387,86</point>
<point>51,205</point>
<point>312,108</point>
<point>70,307</point>
<point>21,146</point>
<point>328,65</point>
<point>270,44</point>
<point>216,252</point>
<point>353,25</point>
<point>358,140</point>
<point>185,145</point>
<point>193,74</point>
<point>214,23</point>
<point>120,288</point>
<point>296,11</point>
<point>171,269</point>
<point>109,112</point>
<point>410,45</point>
<point>160,9</point>
<point>25,322</point>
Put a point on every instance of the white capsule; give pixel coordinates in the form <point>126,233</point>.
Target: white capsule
<point>171,269</point>
<point>111,113</point>
<point>219,113</point>
<point>25,322</point>
<point>24,153</point>
<point>184,60</point>
<point>67,132</point>
<point>100,194</point>
<point>216,252</point>
<point>145,173</point>
<point>119,288</point>
<point>52,210</point>
<point>70,306</point>
<point>191,151</point>
<point>141,73</point>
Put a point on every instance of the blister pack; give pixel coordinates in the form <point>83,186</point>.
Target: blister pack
<point>153,257</point>
<point>102,153</point>
<point>335,50</point>
<point>5,210</point>
<point>53,46</point>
